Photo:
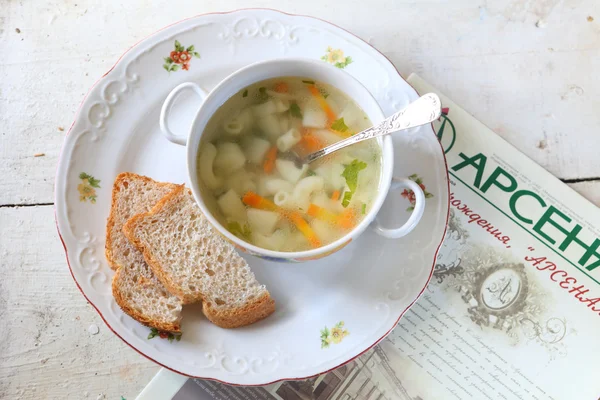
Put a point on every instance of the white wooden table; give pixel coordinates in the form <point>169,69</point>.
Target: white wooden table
<point>527,69</point>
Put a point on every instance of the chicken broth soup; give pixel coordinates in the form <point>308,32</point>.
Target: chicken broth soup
<point>248,165</point>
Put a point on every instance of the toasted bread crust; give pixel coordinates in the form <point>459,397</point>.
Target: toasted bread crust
<point>175,327</point>
<point>252,312</point>
<point>116,289</point>
<point>112,218</point>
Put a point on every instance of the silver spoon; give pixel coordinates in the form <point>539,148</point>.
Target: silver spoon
<point>424,110</point>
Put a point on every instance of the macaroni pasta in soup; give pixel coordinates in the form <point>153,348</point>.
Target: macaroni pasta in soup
<point>253,183</point>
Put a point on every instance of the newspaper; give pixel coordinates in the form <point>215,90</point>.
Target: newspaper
<point>513,308</point>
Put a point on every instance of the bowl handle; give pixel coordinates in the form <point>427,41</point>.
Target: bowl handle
<point>166,110</point>
<point>416,215</point>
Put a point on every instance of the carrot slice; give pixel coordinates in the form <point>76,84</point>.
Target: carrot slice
<point>341,134</point>
<point>322,103</point>
<point>335,196</point>
<point>322,214</point>
<point>254,200</point>
<point>308,143</point>
<point>347,219</point>
<point>303,227</point>
<point>269,163</point>
<point>281,87</point>
<point>312,142</point>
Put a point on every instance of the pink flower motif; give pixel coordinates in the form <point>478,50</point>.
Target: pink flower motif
<point>184,57</point>
<point>180,58</point>
<point>410,195</point>
<point>175,56</point>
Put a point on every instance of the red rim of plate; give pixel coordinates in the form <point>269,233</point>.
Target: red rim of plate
<point>282,379</point>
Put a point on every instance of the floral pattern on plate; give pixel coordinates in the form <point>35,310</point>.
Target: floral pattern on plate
<point>114,115</point>
<point>87,188</point>
<point>336,58</point>
<point>164,335</point>
<point>334,335</point>
<point>410,195</point>
<point>180,57</point>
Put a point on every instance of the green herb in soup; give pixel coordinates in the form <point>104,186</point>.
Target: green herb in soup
<point>351,175</point>
<point>250,179</point>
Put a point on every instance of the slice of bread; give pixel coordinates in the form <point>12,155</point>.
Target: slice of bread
<point>135,288</point>
<point>196,264</point>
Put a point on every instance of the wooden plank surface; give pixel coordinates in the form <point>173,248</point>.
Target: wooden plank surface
<point>590,190</point>
<point>53,344</point>
<point>510,63</point>
<point>525,69</point>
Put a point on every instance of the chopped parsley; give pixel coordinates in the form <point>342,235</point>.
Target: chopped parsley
<point>295,110</point>
<point>364,209</point>
<point>340,126</point>
<point>351,175</point>
<point>347,198</point>
<point>309,82</point>
<point>262,94</point>
<point>310,172</point>
<point>245,94</point>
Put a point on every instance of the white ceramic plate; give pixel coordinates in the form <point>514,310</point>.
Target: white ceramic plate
<point>328,311</point>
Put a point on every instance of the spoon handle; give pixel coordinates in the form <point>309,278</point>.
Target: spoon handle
<point>424,110</point>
